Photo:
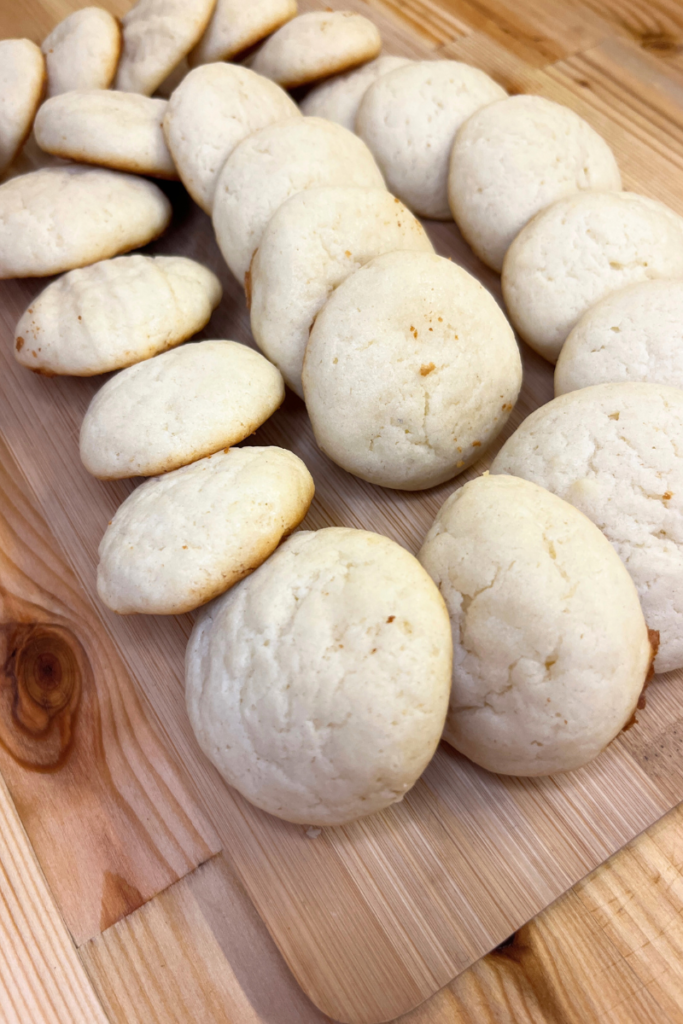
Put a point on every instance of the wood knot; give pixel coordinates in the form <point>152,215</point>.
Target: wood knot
<point>40,688</point>
<point>661,42</point>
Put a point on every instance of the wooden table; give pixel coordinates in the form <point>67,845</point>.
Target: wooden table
<point>612,948</point>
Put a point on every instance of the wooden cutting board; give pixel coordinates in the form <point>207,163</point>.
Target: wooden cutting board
<point>94,742</point>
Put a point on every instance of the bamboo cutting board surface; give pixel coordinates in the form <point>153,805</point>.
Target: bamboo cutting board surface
<point>94,743</point>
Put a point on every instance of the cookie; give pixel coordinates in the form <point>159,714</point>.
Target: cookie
<point>157,34</point>
<point>22,80</point>
<point>275,163</point>
<point>236,26</point>
<point>122,130</point>
<point>411,371</point>
<point>215,108</point>
<point>409,118</point>
<point>311,244</point>
<point>551,651</point>
<point>184,538</point>
<point>317,45</point>
<point>82,51</point>
<point>635,334</point>
<point>178,407</point>
<point>338,99</point>
<point>60,218</point>
<point>579,250</point>
<point>115,313</point>
<point>513,158</point>
<point>615,451</point>
<point>319,685</point>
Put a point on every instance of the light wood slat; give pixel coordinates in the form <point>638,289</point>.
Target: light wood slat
<point>41,978</point>
<point>33,19</point>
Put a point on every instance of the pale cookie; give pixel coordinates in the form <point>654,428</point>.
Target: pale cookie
<point>215,108</point>
<point>22,80</point>
<point>157,34</point>
<point>122,130</point>
<point>178,407</point>
<point>512,159</point>
<point>64,217</point>
<point>317,45</point>
<point>579,250</point>
<point>314,241</point>
<point>115,313</point>
<point>635,334</point>
<point>409,118</point>
<point>275,163</point>
<point>338,99</point>
<point>551,651</point>
<point>184,538</point>
<point>615,451</point>
<point>82,52</point>
<point>411,371</point>
<point>236,26</point>
<point>319,686</point>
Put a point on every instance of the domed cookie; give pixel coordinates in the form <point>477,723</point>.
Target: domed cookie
<point>411,371</point>
<point>338,99</point>
<point>551,651</point>
<point>236,26</point>
<point>615,451</point>
<point>319,686</point>
<point>22,80</point>
<point>311,244</point>
<point>115,313</point>
<point>82,51</point>
<point>183,538</point>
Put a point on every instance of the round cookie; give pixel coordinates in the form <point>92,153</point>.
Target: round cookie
<point>60,218</point>
<point>409,118</point>
<point>273,164</point>
<point>338,99</point>
<point>184,538</point>
<point>22,80</point>
<point>317,45</point>
<point>82,51</point>
<point>579,250</point>
<point>122,130</point>
<point>319,686</point>
<point>513,158</point>
<point>551,651</point>
<point>411,371</point>
<point>115,313</point>
<point>236,26</point>
<point>615,451</point>
<point>157,34</point>
<point>311,244</point>
<point>635,334</point>
<point>212,110</point>
<point>178,407</point>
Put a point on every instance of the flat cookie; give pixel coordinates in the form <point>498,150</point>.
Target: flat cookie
<point>184,538</point>
<point>338,99</point>
<point>319,686</point>
<point>82,51</point>
<point>275,163</point>
<point>579,250</point>
<point>178,407</point>
<point>615,451</point>
<point>115,313</point>
<point>317,45</point>
<point>635,334</point>
<point>157,34</point>
<point>551,651</point>
<point>513,158</point>
<point>122,130</point>
<point>22,80</point>
<point>236,26</point>
<point>215,108</point>
<point>411,371</point>
<point>312,243</point>
<point>409,118</point>
<point>60,218</point>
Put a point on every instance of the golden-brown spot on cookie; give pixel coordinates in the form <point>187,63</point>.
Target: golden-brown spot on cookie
<point>476,444</point>
<point>20,344</point>
<point>427,368</point>
<point>347,253</point>
<point>391,617</point>
<point>613,416</point>
<point>459,465</point>
<point>667,496</point>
